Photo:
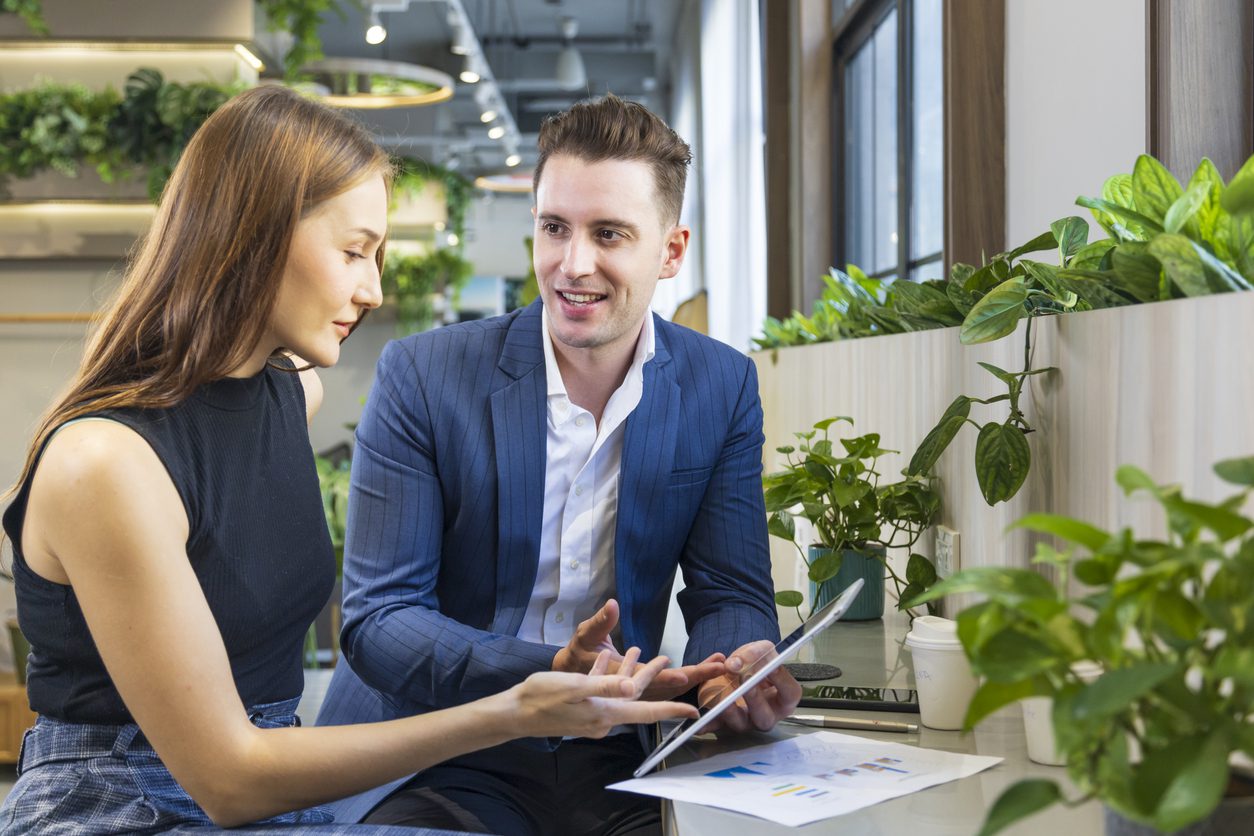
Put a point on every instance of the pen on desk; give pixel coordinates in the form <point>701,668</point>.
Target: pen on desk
<point>822,721</point>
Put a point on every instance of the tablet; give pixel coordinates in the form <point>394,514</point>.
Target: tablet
<point>769,661</point>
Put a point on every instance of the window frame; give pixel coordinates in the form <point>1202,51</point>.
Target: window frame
<point>850,33</point>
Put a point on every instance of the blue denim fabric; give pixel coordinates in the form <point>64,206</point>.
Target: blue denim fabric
<point>79,779</point>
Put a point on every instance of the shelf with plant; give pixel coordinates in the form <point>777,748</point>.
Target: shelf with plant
<point>63,127</point>
<point>413,175</point>
<point>1167,620</point>
<point>1167,241</point>
<point>839,493</point>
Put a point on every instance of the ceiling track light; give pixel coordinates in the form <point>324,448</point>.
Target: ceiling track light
<point>496,132</point>
<point>376,33</point>
<point>487,116</point>
<point>470,71</point>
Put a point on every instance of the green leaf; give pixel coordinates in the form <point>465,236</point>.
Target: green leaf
<point>1186,206</point>
<point>789,598</point>
<point>1008,586</point>
<point>935,442</point>
<point>1226,524</point>
<point>827,422</point>
<point>1238,198</point>
<point>1012,655</point>
<point>1131,478</point>
<point>1072,233</point>
<point>783,526</point>
<point>819,471</point>
<point>825,566</point>
<point>1002,461</point>
<point>1136,227</point>
<point>1009,378</point>
<point>920,570</point>
<point>1066,528</point>
<point>1020,800</point>
<point>996,314</point>
<point>962,300</point>
<point>1154,188</point>
<point>1183,781</point>
<point>1223,279</point>
<point>1044,241</point>
<point>1138,272</point>
<point>1116,690</point>
<point>1237,471</point>
<point>994,695</point>
<point>1182,263</point>
<point>1090,256</point>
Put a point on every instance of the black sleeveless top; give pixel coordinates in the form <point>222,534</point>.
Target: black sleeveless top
<point>238,453</point>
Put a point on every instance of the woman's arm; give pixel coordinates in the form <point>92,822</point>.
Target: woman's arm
<point>104,510</point>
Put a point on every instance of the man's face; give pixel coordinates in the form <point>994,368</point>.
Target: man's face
<point>601,244</point>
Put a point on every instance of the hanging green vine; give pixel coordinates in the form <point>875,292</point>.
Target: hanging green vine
<point>412,175</point>
<point>301,18</point>
<point>30,11</point>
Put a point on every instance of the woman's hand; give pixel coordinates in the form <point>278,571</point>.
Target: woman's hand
<point>554,704</point>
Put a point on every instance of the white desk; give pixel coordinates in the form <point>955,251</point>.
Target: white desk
<point>871,654</point>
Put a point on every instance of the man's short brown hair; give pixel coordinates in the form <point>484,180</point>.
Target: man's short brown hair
<point>610,128</point>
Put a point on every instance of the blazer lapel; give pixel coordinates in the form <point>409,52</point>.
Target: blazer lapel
<point>648,457</point>
<point>519,412</point>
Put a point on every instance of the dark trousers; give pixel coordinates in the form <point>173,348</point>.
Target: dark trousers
<point>514,790</point>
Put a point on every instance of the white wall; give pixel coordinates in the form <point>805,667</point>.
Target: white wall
<point>496,225</point>
<point>1075,105</point>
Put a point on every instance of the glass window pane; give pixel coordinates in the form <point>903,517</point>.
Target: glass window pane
<point>931,270</point>
<point>927,156</point>
<point>859,201</point>
<point>884,42</point>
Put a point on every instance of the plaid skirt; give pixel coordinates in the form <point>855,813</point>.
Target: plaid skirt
<point>77,779</point>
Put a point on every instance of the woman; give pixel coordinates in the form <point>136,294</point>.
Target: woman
<point>169,545</point>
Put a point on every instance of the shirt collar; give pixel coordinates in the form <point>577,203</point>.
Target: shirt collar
<point>646,347</point>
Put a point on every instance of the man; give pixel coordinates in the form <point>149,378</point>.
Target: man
<point>525,487</point>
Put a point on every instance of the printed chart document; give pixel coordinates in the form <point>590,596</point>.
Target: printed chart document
<point>808,777</point>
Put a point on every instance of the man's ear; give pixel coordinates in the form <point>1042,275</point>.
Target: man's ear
<point>675,247</point>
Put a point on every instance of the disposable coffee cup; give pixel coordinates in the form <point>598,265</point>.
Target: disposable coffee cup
<point>942,673</point>
<point>1038,719</point>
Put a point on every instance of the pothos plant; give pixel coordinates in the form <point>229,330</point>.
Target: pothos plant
<point>410,283</point>
<point>840,494</point>
<point>412,175</point>
<point>1167,620</point>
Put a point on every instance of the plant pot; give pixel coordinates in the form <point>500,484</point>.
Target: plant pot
<point>21,649</point>
<point>1230,818</point>
<point>870,601</point>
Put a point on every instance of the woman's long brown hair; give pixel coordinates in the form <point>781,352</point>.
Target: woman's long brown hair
<point>200,290</point>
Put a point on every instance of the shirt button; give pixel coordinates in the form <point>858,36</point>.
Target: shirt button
<point>579,421</point>
<point>574,564</point>
<point>578,490</point>
<point>559,618</point>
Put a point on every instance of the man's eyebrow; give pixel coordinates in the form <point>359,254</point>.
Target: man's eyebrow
<point>614,222</point>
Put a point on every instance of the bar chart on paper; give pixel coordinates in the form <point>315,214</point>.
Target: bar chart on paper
<point>807,778</point>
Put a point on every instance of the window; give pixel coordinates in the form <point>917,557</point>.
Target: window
<point>888,90</point>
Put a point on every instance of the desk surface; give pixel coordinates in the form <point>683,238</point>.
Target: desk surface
<point>870,653</point>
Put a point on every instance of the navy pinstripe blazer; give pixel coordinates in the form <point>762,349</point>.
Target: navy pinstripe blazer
<point>445,515</point>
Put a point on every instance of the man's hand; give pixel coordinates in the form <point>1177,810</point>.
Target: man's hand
<point>770,701</point>
<point>592,637</point>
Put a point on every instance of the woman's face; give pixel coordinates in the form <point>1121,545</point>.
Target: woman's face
<point>330,278</point>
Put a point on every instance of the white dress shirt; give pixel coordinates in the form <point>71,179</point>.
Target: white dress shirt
<point>575,576</point>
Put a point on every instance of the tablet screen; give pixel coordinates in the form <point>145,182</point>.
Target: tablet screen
<point>753,674</point>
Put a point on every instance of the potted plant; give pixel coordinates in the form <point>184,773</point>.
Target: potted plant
<point>1168,621</point>
<point>840,493</point>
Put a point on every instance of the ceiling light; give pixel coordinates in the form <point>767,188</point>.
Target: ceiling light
<point>513,159</point>
<point>367,83</point>
<point>249,59</point>
<point>487,116</point>
<point>461,42</point>
<point>453,239</point>
<point>496,132</point>
<point>375,33</point>
<point>571,72</point>
<point>470,71</point>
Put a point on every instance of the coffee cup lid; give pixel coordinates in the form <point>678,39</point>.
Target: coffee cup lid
<point>933,630</point>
